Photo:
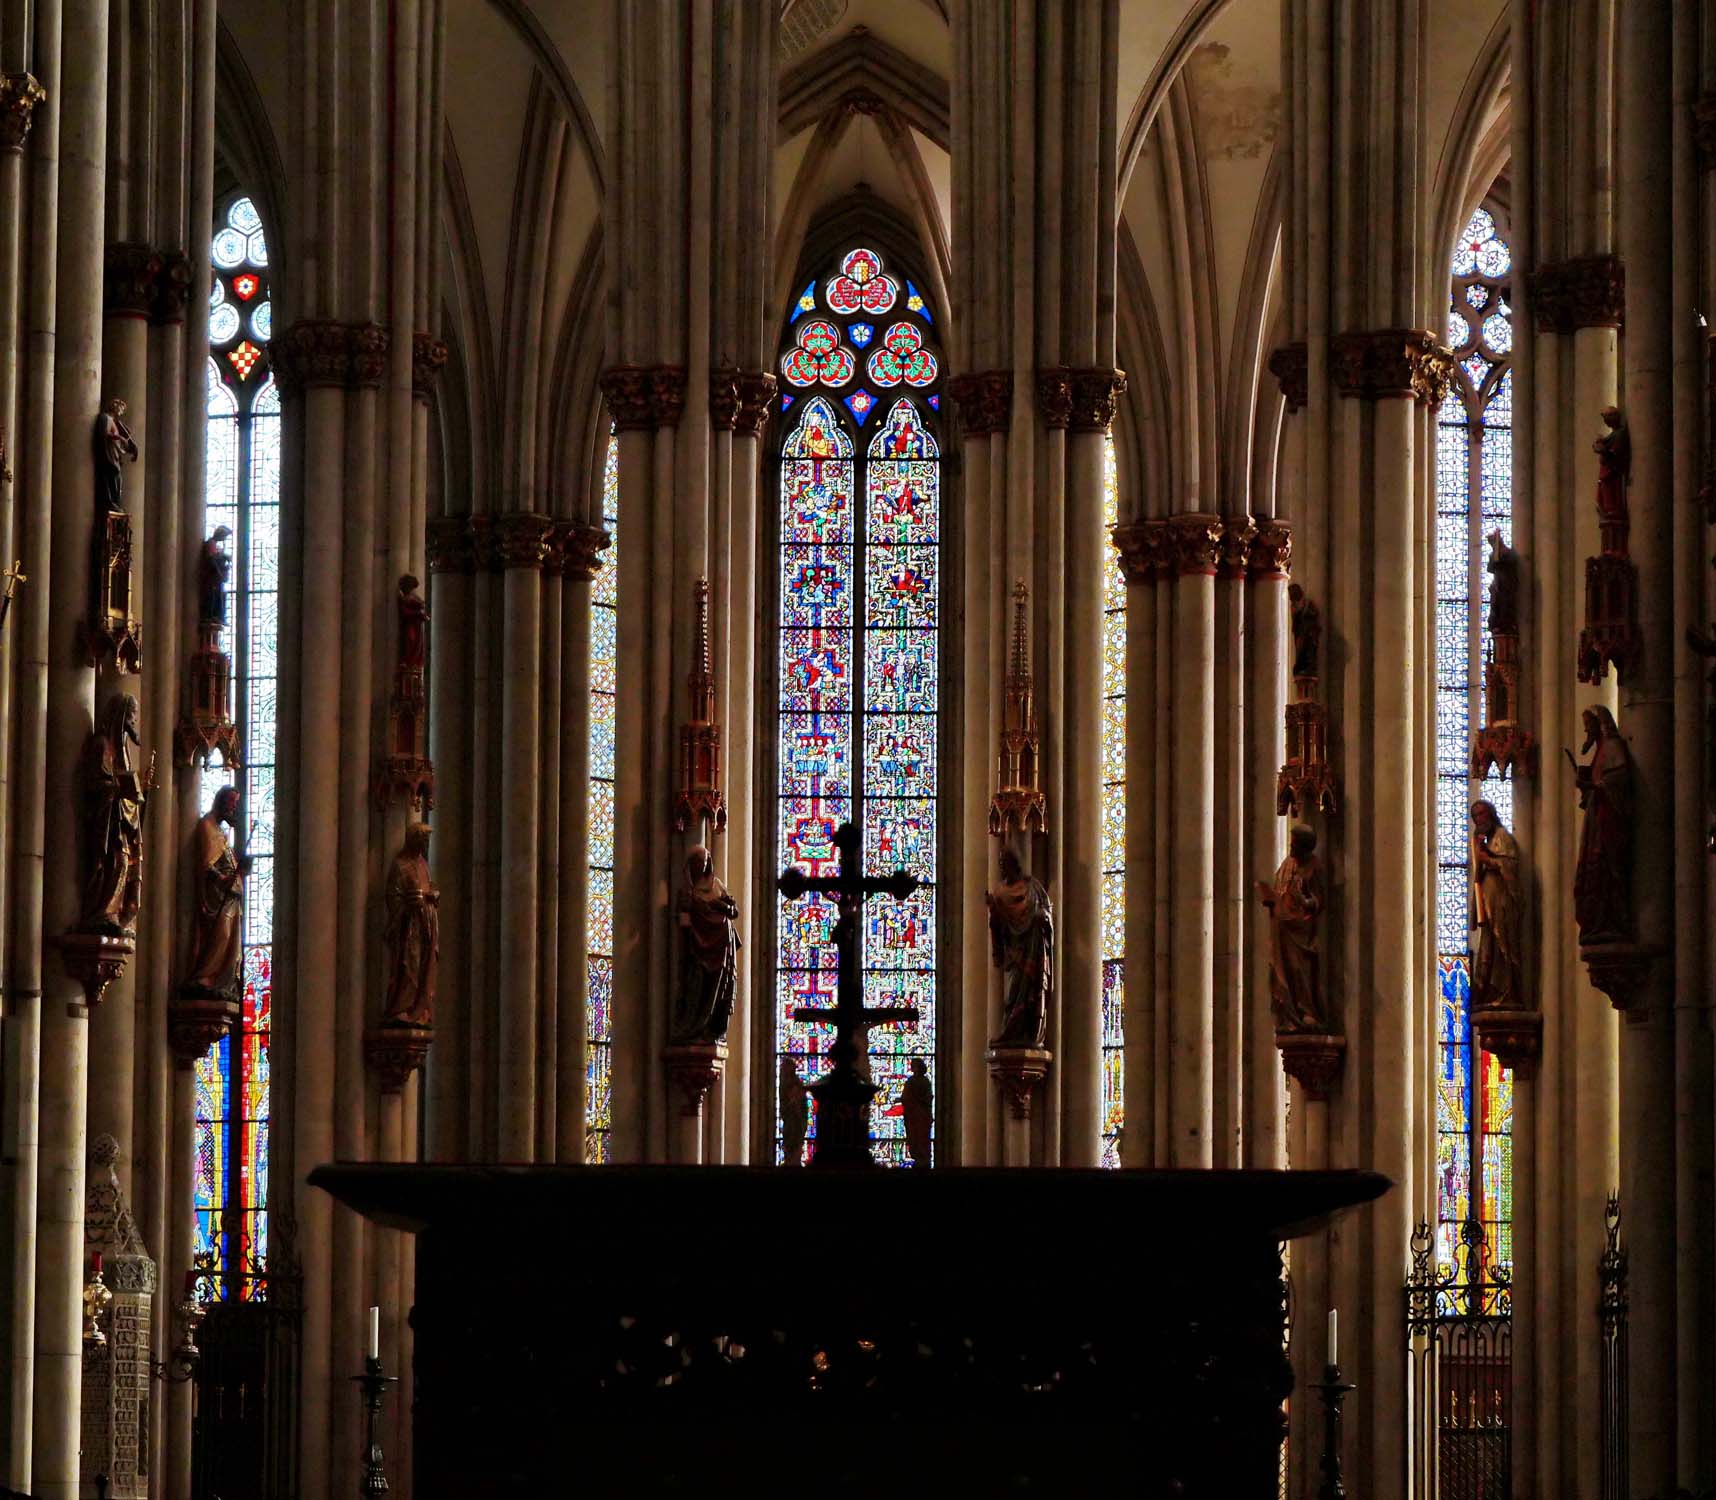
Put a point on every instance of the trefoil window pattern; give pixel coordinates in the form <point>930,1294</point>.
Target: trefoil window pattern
<point>604,664</point>
<point>859,691</point>
<point>243,494</point>
<point>1113,823</point>
<point>1474,496</point>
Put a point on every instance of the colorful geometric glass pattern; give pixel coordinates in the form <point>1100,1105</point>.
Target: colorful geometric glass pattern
<point>1474,496</point>
<point>242,493</point>
<point>1113,909</point>
<point>860,607</point>
<point>604,664</point>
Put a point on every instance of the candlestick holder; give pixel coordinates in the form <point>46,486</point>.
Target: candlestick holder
<point>1333,1391</point>
<point>182,1365</point>
<point>96,1296</point>
<point>374,1386</point>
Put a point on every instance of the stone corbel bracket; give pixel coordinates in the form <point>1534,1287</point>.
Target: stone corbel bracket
<point>1018,1071</point>
<point>1515,1037</point>
<point>95,960</point>
<point>396,1050</point>
<point>693,1068</point>
<point>1619,970</point>
<point>1313,1060</point>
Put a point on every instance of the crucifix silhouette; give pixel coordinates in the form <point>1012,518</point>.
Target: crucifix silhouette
<point>843,1094</point>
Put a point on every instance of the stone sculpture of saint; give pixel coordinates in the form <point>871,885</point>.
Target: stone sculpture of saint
<point>709,953</point>
<point>1603,880</point>
<point>917,1105</point>
<point>114,795</point>
<point>114,448</point>
<point>1504,570</point>
<point>1307,623</point>
<point>1022,943</point>
<point>1295,902</point>
<point>795,1114</point>
<point>413,625</point>
<point>213,958</point>
<point>1498,909</point>
<point>413,933</point>
<point>214,567</point>
<point>1614,452</point>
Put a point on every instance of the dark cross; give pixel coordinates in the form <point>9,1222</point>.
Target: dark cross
<point>843,1094</point>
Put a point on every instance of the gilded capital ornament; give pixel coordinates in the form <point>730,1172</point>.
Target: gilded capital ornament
<point>428,359</point>
<point>1588,291</point>
<point>452,544</point>
<point>1388,362</point>
<point>128,277</point>
<point>1143,549</point>
<point>1271,551</point>
<point>584,547</point>
<point>1291,367</point>
<point>1018,805</point>
<point>666,394</point>
<point>626,390</point>
<point>518,539</point>
<point>756,401</point>
<point>724,398</point>
<point>1194,544</point>
<point>985,401</point>
<point>1055,397</point>
<point>1237,535</point>
<point>1095,395</point>
<point>172,288</point>
<point>19,96</point>
<point>366,345</point>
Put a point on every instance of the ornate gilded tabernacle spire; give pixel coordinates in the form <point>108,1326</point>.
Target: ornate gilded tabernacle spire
<point>700,798</point>
<point>1018,805</point>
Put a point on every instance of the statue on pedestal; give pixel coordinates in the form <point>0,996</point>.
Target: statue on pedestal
<point>1295,902</point>
<point>413,933</point>
<point>213,960</point>
<point>1504,570</point>
<point>413,626</point>
<point>1307,623</point>
<point>1614,451</point>
<point>1608,792</point>
<point>917,1104</point>
<point>709,953</point>
<point>1498,909</point>
<point>1022,943</point>
<point>214,567</point>
<point>795,1114</point>
<point>114,796</point>
<point>114,448</point>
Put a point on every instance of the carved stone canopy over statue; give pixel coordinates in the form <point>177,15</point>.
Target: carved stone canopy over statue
<point>214,568</point>
<point>1022,944</point>
<point>114,796</point>
<point>917,1105</point>
<point>709,953</point>
<point>114,448</point>
<point>413,934</point>
<point>1498,913</point>
<point>1608,792</point>
<point>1307,632</point>
<point>1504,570</point>
<point>1295,901</point>
<point>214,954</point>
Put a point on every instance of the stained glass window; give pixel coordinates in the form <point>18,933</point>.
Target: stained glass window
<point>242,493</point>
<point>604,663</point>
<point>1113,824</point>
<point>1474,496</point>
<point>859,689</point>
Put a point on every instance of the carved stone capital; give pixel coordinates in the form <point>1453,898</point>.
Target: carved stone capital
<point>1194,544</point>
<point>626,390</point>
<point>1054,397</point>
<point>19,96</point>
<point>1291,367</point>
<point>1095,395</point>
<point>1271,553</point>
<point>428,359</point>
<point>396,1050</point>
<point>756,401</point>
<point>1018,1071</point>
<point>452,545</point>
<point>196,1021</point>
<point>1589,291</point>
<point>1312,1060</point>
<point>95,960</point>
<point>724,399</point>
<point>1704,129</point>
<point>518,539</point>
<point>584,548</point>
<point>1388,362</point>
<point>128,272</point>
<point>311,352</point>
<point>1237,535</point>
<point>366,345</point>
<point>985,401</point>
<point>666,395</point>
<point>694,1068</point>
<point>172,288</point>
<point>1143,549</point>
<point>1513,1036</point>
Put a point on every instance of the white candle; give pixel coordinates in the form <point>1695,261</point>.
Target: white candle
<point>375,1333</point>
<point>1332,1345</point>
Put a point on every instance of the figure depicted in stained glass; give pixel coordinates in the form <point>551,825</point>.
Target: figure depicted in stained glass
<point>795,1113</point>
<point>709,953</point>
<point>413,933</point>
<point>1307,631</point>
<point>413,625</point>
<point>114,448</point>
<point>1614,451</point>
<point>1603,881</point>
<point>1022,945</point>
<point>1504,570</point>
<point>917,1105</point>
<point>214,567</point>
<point>114,796</point>
<point>1295,902</point>
<point>1498,908</point>
<point>213,955</point>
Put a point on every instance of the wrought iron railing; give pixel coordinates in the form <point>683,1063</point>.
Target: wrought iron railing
<point>1612,1386</point>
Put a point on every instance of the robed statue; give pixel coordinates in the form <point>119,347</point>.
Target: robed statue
<point>795,1113</point>
<point>413,625</point>
<point>114,448</point>
<point>113,795</point>
<point>1504,570</point>
<point>1608,792</point>
<point>1295,902</point>
<point>213,960</point>
<point>709,953</point>
<point>214,567</point>
<point>1498,908</point>
<point>1307,622</point>
<point>1022,944</point>
<point>1614,450</point>
<point>917,1105</point>
<point>413,933</point>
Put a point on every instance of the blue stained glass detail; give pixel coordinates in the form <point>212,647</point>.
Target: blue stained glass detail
<point>806,302</point>
<point>899,755</point>
<point>860,334</point>
<point>934,402</point>
<point>915,302</point>
<point>861,403</point>
<point>787,399</point>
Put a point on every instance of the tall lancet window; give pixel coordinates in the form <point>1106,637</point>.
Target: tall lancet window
<point>243,496</point>
<point>1474,497</point>
<point>604,663</point>
<point>1113,824</point>
<point>859,586</point>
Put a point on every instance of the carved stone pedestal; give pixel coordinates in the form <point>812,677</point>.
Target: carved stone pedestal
<point>196,1020</point>
<point>1619,970</point>
<point>1312,1060</point>
<point>1515,1037</point>
<point>1018,1071</point>
<point>693,1068</point>
<point>395,1050</point>
<point>95,960</point>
